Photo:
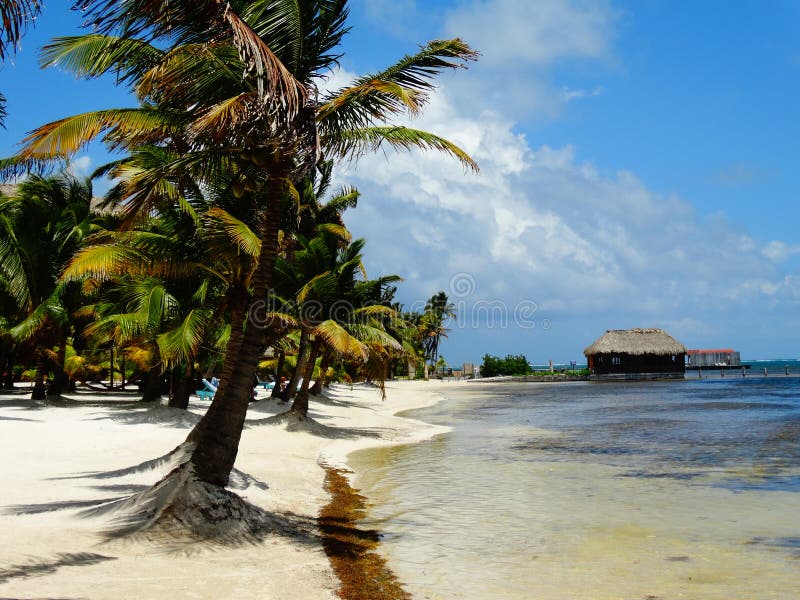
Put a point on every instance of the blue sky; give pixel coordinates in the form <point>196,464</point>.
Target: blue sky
<point>637,168</point>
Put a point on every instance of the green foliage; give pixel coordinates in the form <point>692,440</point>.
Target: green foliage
<point>493,366</point>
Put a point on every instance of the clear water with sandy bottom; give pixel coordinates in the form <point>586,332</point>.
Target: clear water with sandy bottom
<point>589,491</point>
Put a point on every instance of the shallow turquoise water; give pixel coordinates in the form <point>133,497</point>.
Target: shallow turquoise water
<point>647,490</point>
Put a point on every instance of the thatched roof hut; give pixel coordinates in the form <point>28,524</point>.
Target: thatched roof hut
<point>641,353</point>
<point>636,342</point>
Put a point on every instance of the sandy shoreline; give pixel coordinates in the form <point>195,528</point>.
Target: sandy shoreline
<point>58,460</point>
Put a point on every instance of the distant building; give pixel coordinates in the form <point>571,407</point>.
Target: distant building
<point>468,369</point>
<point>712,358</point>
<point>636,354</point>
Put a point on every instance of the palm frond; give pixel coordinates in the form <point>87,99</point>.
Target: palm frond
<point>377,336</point>
<point>66,136</point>
<point>93,55</point>
<point>15,16</point>
<point>103,261</point>
<point>181,343</point>
<point>356,142</point>
<point>237,230</point>
<point>340,340</point>
<point>51,309</point>
<point>216,121</point>
<point>13,278</point>
<point>403,86</point>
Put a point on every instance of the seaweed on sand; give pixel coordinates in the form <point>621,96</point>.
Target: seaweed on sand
<point>363,573</point>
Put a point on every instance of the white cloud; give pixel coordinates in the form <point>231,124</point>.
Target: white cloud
<point>520,32</point>
<point>539,224</point>
<point>778,251</point>
<point>569,94</point>
<point>80,166</point>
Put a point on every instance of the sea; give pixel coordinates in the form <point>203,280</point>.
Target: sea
<point>590,491</point>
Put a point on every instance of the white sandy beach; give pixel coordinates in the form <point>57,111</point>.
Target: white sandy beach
<point>60,459</point>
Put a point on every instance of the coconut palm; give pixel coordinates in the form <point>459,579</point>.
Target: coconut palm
<point>195,263</point>
<point>438,309</point>
<point>42,223</point>
<point>233,88</point>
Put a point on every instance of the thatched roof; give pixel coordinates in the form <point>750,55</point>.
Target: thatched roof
<point>636,341</point>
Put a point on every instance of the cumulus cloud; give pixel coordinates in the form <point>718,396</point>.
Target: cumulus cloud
<point>545,232</point>
<point>521,42</point>
<point>540,225</point>
<point>519,32</point>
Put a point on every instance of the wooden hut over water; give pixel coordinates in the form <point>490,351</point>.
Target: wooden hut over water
<point>636,354</point>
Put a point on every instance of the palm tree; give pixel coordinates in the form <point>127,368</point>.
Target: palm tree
<point>333,310</point>
<point>232,88</point>
<point>42,224</point>
<point>438,309</point>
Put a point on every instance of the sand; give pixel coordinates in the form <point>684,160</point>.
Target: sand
<point>61,459</point>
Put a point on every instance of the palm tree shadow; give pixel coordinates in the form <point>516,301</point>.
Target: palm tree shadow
<point>294,422</point>
<point>155,414</point>
<point>239,480</point>
<point>45,507</point>
<point>183,514</point>
<point>166,461</point>
<point>20,419</point>
<point>38,567</point>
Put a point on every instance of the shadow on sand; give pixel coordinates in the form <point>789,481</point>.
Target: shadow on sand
<point>295,422</point>
<point>180,513</point>
<point>37,567</point>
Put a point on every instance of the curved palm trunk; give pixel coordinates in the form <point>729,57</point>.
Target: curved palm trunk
<point>216,437</point>
<point>39,392</point>
<point>276,390</point>
<point>300,404</point>
<point>322,379</point>
<point>302,358</point>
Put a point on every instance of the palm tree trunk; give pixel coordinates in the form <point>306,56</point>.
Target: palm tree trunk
<point>323,369</point>
<point>39,392</point>
<point>300,404</point>
<point>302,357</point>
<point>152,385</point>
<point>276,389</point>
<point>216,437</point>
<point>59,382</point>
<point>182,390</point>
<point>122,371</point>
<point>8,375</point>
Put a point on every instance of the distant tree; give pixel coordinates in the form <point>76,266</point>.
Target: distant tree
<point>438,309</point>
<point>493,366</point>
<point>42,224</point>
